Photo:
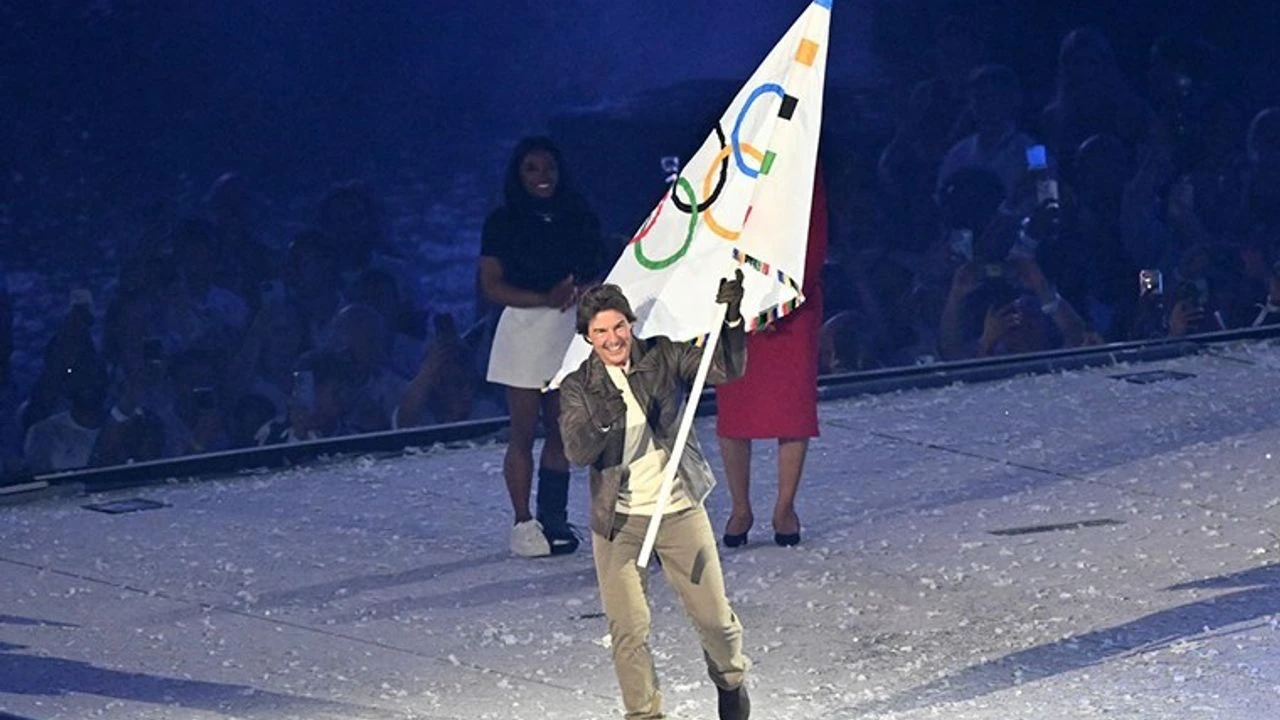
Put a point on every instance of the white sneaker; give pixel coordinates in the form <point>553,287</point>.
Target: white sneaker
<point>528,540</point>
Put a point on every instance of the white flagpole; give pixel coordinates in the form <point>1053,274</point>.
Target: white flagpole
<point>682,437</point>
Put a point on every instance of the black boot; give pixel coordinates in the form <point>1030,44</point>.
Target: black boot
<point>734,704</point>
<point>553,503</point>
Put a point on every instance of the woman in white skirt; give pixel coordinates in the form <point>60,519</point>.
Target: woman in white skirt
<point>537,251</point>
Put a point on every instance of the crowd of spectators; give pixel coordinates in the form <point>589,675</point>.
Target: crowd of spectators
<point>1124,209</point>
<point>211,341</point>
<point>1108,215</point>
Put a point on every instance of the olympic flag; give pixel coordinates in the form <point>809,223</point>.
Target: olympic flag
<point>742,198</point>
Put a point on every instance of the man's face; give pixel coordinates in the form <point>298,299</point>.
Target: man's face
<point>610,336</point>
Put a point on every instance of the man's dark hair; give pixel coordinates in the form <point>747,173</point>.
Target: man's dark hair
<point>597,300</point>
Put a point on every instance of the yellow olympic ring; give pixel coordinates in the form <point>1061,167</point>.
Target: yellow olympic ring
<point>706,187</point>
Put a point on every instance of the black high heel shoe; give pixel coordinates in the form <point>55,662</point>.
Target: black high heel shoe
<point>738,539</point>
<point>787,539</point>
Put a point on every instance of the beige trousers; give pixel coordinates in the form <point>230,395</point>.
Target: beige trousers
<point>686,547</point>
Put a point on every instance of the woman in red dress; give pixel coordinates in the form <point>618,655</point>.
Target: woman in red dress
<point>777,398</point>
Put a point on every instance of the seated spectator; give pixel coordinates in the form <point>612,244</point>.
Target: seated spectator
<point>1184,83</point>
<point>222,313</point>
<point>1261,202</point>
<point>995,95</point>
<point>72,341</point>
<point>360,333</point>
<point>1092,98</point>
<point>1005,308</point>
<point>405,332</point>
<point>1223,297</point>
<point>1164,212</point>
<point>847,344</point>
<point>180,391</point>
<point>936,117</point>
<point>1148,241</point>
<point>1190,313</point>
<point>248,415</point>
<point>139,253</point>
<point>242,262</point>
<point>138,437</point>
<point>320,400</point>
<point>1206,293</point>
<point>133,343</point>
<point>181,325</point>
<point>969,201</point>
<point>444,388</point>
<point>351,218</point>
<point>65,440</point>
<point>1198,131</point>
<point>264,364</point>
<point>197,402</point>
<point>312,282</point>
<point>1106,277</point>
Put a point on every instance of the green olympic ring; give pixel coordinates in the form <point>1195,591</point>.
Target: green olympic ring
<point>688,238</point>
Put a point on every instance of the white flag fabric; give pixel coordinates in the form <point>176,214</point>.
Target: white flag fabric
<point>742,199</point>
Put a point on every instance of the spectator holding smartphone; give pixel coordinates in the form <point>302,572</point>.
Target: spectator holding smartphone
<point>320,399</point>
<point>65,440</point>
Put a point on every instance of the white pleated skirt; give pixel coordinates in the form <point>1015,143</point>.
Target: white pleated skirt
<point>528,346</point>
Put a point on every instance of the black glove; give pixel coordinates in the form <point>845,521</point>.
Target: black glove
<point>612,409</point>
<point>730,293</point>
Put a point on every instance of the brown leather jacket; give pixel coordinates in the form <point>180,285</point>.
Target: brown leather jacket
<point>661,374</point>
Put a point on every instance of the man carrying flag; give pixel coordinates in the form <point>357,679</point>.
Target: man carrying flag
<point>742,202</point>
<point>618,415</point>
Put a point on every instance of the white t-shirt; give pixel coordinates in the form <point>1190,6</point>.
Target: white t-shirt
<point>59,443</point>
<point>646,461</point>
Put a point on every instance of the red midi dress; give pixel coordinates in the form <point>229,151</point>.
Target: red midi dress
<point>778,396</point>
